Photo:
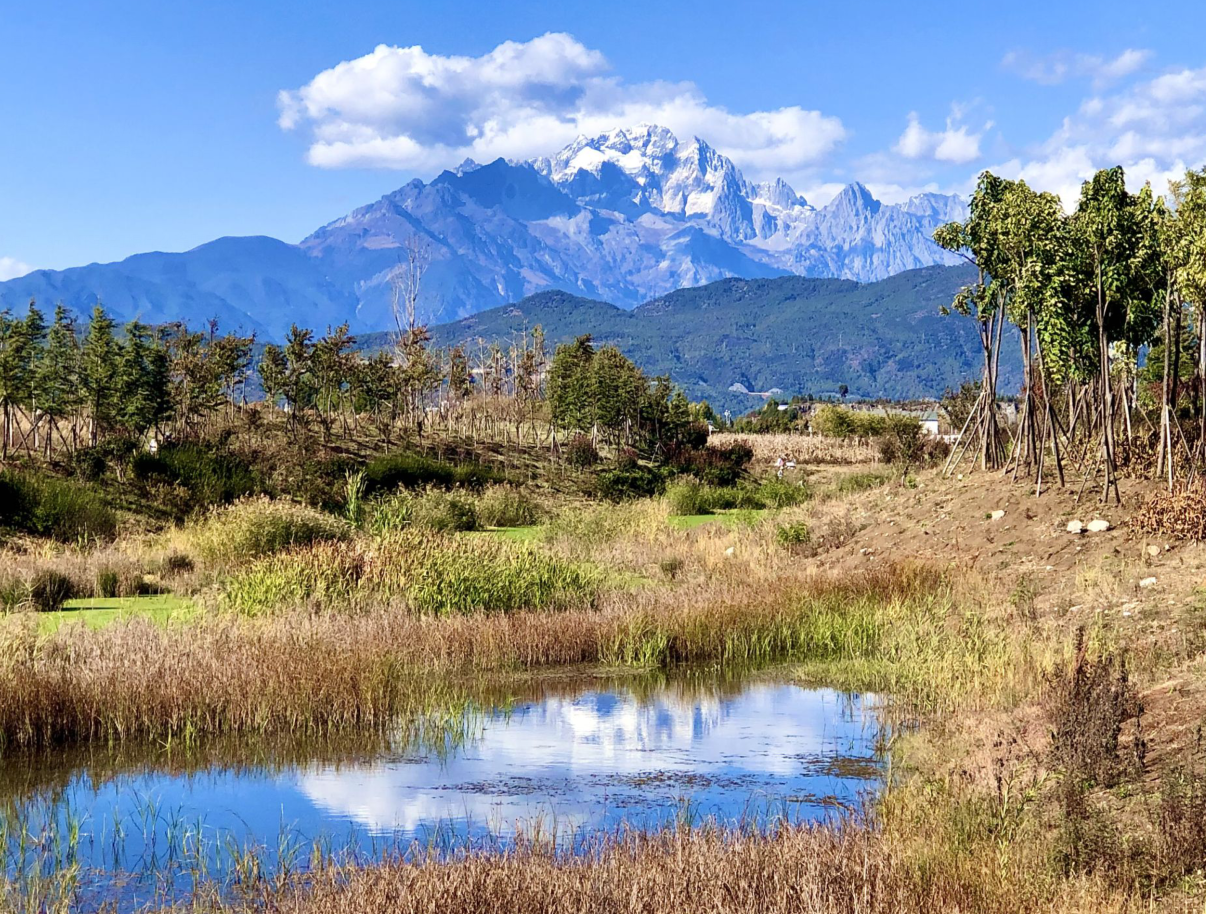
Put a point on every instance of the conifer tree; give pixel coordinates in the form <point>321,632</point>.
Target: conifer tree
<point>98,373</point>
<point>143,396</point>
<point>57,379</point>
<point>16,374</point>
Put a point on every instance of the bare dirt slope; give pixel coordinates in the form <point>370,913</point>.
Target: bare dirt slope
<point>1146,594</point>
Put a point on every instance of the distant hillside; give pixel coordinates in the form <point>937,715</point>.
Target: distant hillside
<point>792,334</point>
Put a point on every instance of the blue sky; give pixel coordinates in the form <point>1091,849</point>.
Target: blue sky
<point>133,126</point>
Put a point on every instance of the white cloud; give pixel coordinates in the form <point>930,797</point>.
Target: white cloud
<point>405,108</point>
<point>11,268</point>
<point>1052,69</point>
<point>955,144</point>
<point>1153,129</point>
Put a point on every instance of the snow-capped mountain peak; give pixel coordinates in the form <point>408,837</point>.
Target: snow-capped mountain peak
<point>625,216</point>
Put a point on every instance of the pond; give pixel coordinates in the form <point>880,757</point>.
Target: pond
<point>576,761</point>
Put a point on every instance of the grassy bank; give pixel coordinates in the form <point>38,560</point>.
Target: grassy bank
<point>305,673</point>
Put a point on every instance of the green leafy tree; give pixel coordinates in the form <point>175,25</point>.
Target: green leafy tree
<point>1105,229</point>
<point>1188,256</point>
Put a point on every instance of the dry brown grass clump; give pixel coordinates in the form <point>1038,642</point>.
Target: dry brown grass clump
<point>803,449</point>
<point>1180,514</point>
<point>329,673</point>
<point>817,870</point>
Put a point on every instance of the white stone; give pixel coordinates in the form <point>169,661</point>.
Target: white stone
<point>1147,582</point>
<point>1098,526</point>
<point>997,515</point>
<point>1075,526</point>
<point>1153,550</point>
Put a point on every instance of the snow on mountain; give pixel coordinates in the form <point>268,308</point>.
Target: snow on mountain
<point>625,216</point>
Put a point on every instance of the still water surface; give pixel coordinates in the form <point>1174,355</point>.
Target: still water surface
<point>575,763</point>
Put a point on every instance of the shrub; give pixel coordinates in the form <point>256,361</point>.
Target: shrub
<point>210,476</point>
<point>14,593</point>
<point>688,497</point>
<point>432,573</point>
<point>408,470</point>
<point>780,493</point>
<point>1087,706</point>
<point>108,582</point>
<point>430,510</point>
<point>901,441</point>
<point>833,421</point>
<point>1180,819</point>
<point>125,580</point>
<point>717,466</point>
<point>177,563</point>
<point>260,526</point>
<point>620,484</point>
<point>435,510</point>
<point>793,535</point>
<point>580,451</point>
<point>853,483</point>
<point>89,464</point>
<point>505,506</point>
<point>627,458</point>
<point>49,590</point>
<point>61,509</point>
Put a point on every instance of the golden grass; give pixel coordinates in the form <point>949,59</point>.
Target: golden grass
<point>319,674</point>
<point>842,869</point>
<point>803,449</point>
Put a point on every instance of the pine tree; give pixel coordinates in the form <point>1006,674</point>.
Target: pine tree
<point>569,383</point>
<point>143,396</point>
<point>16,374</point>
<point>98,373</point>
<point>460,382</point>
<point>57,379</point>
<point>329,363</point>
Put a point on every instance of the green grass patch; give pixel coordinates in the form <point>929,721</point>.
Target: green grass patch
<point>853,483</point>
<point>97,612</point>
<point>528,534</point>
<point>736,517</point>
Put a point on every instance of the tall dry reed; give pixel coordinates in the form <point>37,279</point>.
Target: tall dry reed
<point>322,674</point>
<point>844,869</point>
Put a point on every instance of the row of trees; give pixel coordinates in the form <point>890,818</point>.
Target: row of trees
<point>64,386</point>
<point>600,390</point>
<point>1087,292</point>
<point>58,383</point>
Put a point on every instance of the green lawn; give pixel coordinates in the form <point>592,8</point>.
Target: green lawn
<point>98,612</point>
<point>730,518</point>
<point>519,534</point>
